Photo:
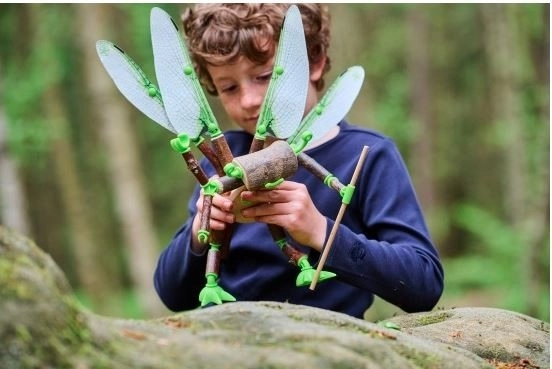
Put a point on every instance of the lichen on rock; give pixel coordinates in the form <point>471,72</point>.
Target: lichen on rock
<point>42,325</point>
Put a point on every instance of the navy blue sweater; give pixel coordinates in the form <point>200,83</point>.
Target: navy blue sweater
<point>382,246</point>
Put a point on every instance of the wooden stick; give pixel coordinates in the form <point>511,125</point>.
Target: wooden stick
<point>337,221</point>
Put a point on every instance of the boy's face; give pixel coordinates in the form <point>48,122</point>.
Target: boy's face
<point>241,87</point>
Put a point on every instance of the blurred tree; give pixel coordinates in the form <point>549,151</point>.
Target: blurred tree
<point>118,137</point>
<point>510,69</point>
<point>13,203</point>
<point>418,56</point>
<point>50,24</point>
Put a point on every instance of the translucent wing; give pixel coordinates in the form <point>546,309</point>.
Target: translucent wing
<point>133,83</point>
<point>185,101</point>
<point>333,106</point>
<point>284,103</point>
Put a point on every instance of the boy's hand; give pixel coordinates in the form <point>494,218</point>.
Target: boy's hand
<point>221,213</point>
<point>290,206</point>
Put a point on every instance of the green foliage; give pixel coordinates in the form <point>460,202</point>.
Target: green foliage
<point>494,262</point>
<point>31,74</point>
<point>122,304</point>
<point>393,112</point>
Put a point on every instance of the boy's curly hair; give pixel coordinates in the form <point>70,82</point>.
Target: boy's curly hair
<point>218,34</point>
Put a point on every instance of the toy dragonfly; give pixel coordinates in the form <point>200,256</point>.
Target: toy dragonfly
<point>182,108</point>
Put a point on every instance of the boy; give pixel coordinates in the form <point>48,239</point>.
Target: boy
<point>382,246</point>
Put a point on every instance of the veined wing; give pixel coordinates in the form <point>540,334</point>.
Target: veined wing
<point>185,101</point>
<point>133,83</point>
<point>284,103</point>
<point>333,106</point>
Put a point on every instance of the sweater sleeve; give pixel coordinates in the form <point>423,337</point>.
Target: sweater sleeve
<point>391,254</point>
<point>178,278</point>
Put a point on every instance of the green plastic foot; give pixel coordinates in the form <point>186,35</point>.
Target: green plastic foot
<point>212,293</point>
<point>306,275</point>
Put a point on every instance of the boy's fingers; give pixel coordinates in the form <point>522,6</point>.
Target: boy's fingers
<point>222,202</point>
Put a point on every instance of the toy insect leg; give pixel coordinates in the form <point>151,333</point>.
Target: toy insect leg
<point>320,172</point>
<point>306,274</point>
<point>212,293</point>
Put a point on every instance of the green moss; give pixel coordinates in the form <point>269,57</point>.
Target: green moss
<point>419,359</point>
<point>432,318</point>
<point>12,278</point>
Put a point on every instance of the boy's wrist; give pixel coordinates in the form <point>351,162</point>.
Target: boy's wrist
<point>320,234</point>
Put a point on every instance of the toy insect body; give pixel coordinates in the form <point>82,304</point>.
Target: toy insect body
<point>184,110</point>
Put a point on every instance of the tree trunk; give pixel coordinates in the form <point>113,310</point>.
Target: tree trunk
<point>119,140</point>
<point>13,205</point>
<point>503,42</point>
<point>422,152</point>
<point>95,283</point>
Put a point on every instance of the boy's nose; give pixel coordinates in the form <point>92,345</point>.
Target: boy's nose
<point>251,99</point>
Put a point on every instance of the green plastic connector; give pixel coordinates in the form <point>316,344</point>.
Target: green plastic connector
<point>212,279</point>
<point>212,293</point>
<point>188,70</point>
<point>299,146</point>
<point>152,91</point>
<point>281,243</point>
<point>181,143</point>
<point>232,170</point>
<point>211,188</point>
<point>203,236</point>
<point>265,121</point>
<point>197,141</point>
<point>279,70</point>
<point>272,185</point>
<point>347,193</point>
<point>206,117</point>
<point>303,263</point>
<point>328,180</point>
<point>306,275</point>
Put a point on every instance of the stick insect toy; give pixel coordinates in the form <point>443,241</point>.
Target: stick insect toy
<point>183,109</point>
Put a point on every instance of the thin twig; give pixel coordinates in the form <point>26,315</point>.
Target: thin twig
<point>337,221</point>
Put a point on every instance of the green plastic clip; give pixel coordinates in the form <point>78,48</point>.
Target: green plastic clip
<point>211,188</point>
<point>202,236</point>
<point>299,146</point>
<point>347,193</point>
<point>181,143</point>
<point>212,293</point>
<point>272,185</point>
<point>152,90</point>
<point>306,275</point>
<point>232,170</point>
<point>328,180</point>
<point>265,121</point>
<point>281,243</point>
<point>208,120</point>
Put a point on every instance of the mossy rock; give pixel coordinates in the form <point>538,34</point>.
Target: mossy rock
<point>500,336</point>
<point>43,326</point>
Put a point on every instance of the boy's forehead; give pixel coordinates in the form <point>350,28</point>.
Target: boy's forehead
<point>241,66</point>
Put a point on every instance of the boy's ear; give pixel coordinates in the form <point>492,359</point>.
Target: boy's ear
<point>317,70</point>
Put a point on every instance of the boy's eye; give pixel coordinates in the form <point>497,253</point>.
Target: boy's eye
<point>265,76</point>
<point>227,89</point>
